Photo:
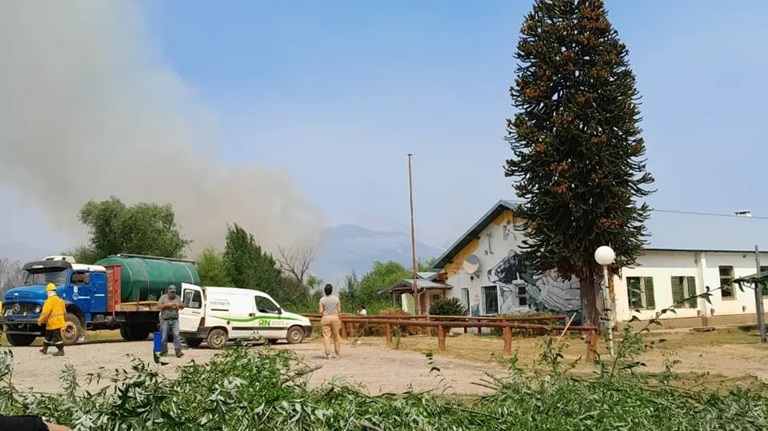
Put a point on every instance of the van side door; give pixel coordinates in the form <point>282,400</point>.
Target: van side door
<point>269,322</point>
<point>193,311</point>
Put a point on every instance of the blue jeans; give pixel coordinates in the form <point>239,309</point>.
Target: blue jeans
<point>172,326</point>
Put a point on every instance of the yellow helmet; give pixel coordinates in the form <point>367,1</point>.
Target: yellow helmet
<point>50,287</point>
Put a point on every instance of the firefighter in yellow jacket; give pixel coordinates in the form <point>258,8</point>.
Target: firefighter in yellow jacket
<point>54,311</point>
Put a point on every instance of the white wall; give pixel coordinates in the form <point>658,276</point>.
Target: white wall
<point>663,265</point>
<point>491,250</point>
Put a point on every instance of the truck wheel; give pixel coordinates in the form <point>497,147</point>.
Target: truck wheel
<point>193,342</point>
<point>20,340</point>
<point>72,330</point>
<point>125,333</point>
<point>295,335</point>
<point>139,333</point>
<point>217,338</point>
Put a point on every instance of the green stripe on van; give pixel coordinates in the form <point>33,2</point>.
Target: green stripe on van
<point>253,319</point>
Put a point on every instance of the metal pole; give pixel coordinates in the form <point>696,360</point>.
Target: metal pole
<point>606,306</point>
<point>416,306</point>
<point>759,299</point>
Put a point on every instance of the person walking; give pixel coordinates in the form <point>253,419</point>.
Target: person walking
<point>53,317</point>
<point>330,308</point>
<point>169,306</point>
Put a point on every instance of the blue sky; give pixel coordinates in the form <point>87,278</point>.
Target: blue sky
<point>338,92</point>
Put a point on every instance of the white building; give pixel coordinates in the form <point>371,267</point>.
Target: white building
<point>486,272</point>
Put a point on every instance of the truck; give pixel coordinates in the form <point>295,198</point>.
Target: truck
<point>117,292</point>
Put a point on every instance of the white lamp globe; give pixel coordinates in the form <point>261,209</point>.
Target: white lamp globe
<point>605,256</point>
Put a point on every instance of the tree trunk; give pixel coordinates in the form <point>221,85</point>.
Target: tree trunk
<point>591,301</point>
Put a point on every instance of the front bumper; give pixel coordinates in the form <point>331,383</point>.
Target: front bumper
<point>20,325</point>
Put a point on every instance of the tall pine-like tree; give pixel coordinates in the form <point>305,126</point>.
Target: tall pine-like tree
<point>578,155</point>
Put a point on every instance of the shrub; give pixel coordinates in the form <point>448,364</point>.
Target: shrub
<point>447,307</point>
<point>523,333</point>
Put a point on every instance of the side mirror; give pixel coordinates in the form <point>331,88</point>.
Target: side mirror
<point>87,278</point>
<point>279,310</point>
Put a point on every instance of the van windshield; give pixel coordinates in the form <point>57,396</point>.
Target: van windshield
<point>59,278</point>
<point>266,305</point>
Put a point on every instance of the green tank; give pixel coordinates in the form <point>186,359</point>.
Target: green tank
<point>146,278</point>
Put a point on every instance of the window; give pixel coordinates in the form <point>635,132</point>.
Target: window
<point>265,305</point>
<point>79,278</point>
<point>522,296</point>
<point>683,288</point>
<point>465,297</point>
<point>490,300</point>
<point>726,276</point>
<point>193,299</point>
<point>641,294</point>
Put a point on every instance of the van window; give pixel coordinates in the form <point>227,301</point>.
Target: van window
<point>193,299</point>
<point>265,305</point>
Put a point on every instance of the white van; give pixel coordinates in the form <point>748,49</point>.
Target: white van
<point>219,314</point>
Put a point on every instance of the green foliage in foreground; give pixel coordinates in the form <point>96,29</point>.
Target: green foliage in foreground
<point>266,390</point>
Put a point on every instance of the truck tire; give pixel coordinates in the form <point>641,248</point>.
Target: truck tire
<point>20,340</point>
<point>139,333</point>
<point>72,330</point>
<point>295,335</point>
<point>217,338</point>
<point>193,342</point>
<point>125,333</point>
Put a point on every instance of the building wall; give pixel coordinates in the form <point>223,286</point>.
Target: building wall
<point>516,289</point>
<point>504,276</point>
<point>661,266</point>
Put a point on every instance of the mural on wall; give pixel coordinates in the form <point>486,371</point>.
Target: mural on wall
<point>545,292</point>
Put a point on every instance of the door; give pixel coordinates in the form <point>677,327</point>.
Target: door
<point>82,290</point>
<point>193,312</point>
<point>269,323</point>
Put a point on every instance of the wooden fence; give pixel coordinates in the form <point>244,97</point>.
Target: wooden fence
<point>506,325</point>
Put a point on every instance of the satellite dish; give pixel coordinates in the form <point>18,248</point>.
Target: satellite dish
<point>471,264</point>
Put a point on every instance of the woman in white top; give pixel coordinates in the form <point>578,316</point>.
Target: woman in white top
<point>330,308</point>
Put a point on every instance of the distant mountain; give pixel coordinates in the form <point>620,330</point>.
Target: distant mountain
<point>353,247</point>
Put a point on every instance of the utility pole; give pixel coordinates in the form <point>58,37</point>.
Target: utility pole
<point>416,305</point>
<point>759,299</point>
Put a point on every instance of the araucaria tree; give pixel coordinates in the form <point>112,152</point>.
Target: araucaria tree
<point>578,157</point>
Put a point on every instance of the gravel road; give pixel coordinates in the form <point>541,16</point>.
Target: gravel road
<point>379,370</point>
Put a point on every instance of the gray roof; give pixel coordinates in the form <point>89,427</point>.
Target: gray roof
<point>668,231</point>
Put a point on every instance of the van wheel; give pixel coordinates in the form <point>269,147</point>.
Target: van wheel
<point>217,338</point>
<point>193,342</point>
<point>72,330</point>
<point>295,335</point>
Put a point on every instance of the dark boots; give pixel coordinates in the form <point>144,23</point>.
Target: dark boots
<point>59,352</point>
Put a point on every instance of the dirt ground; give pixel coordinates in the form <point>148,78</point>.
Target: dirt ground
<point>726,354</point>
<point>378,370</point>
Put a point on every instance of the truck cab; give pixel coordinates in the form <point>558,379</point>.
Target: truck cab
<point>82,287</point>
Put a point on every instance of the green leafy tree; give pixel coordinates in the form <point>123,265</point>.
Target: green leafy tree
<point>380,277</point>
<point>143,228</point>
<point>213,272</point>
<point>249,267</point>
<point>577,151</point>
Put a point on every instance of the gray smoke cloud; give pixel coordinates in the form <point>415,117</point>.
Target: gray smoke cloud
<point>88,109</point>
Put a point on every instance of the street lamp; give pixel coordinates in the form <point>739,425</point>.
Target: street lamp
<point>605,256</point>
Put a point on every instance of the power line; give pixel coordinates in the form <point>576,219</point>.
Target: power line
<point>696,213</point>
<point>706,214</point>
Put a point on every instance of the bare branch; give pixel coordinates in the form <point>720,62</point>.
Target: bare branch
<point>296,262</point>
<point>10,275</point>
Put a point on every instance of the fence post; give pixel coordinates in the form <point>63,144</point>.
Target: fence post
<point>441,338</point>
<point>507,335</point>
<point>343,330</point>
<point>388,334</point>
<point>591,345</point>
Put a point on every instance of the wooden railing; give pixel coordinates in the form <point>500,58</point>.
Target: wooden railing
<point>506,325</point>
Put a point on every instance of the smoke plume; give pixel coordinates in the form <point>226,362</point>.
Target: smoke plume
<point>88,109</point>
